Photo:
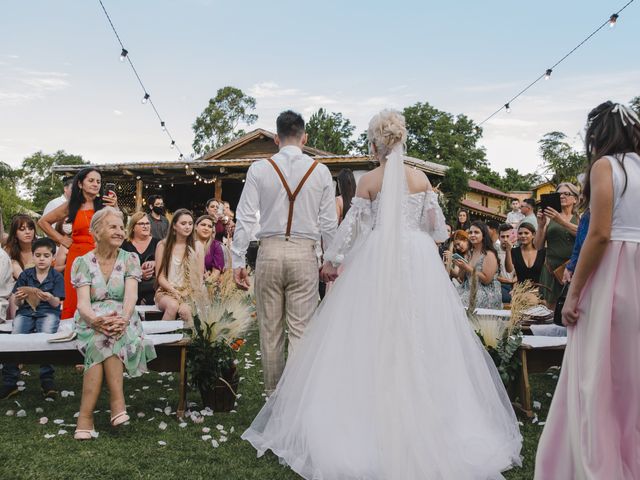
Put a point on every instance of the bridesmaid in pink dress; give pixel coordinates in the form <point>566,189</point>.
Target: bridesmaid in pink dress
<point>593,428</point>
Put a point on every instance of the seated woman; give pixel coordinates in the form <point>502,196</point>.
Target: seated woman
<point>484,264</point>
<point>64,229</point>
<point>140,242</point>
<point>109,330</point>
<point>22,233</point>
<point>204,231</point>
<point>173,270</point>
<point>525,259</point>
<point>459,243</point>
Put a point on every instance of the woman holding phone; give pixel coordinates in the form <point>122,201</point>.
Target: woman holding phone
<point>557,232</point>
<point>86,198</point>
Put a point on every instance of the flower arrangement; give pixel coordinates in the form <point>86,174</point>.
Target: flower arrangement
<point>222,316</point>
<point>502,338</point>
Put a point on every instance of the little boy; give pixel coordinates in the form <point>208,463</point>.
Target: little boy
<point>38,293</point>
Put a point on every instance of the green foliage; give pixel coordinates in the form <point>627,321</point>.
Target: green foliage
<point>40,181</point>
<point>330,132</point>
<point>489,177</point>
<point>455,184</point>
<point>8,176</point>
<point>11,204</point>
<point>513,180</point>
<point>208,360</point>
<point>635,104</point>
<point>218,123</point>
<point>561,162</point>
<point>504,354</point>
<point>438,136</point>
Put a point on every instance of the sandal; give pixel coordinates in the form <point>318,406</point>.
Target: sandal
<point>83,434</point>
<point>119,419</point>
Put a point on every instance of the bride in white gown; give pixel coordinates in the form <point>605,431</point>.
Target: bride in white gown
<point>390,381</point>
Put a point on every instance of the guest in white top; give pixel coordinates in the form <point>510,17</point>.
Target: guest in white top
<point>67,183</point>
<point>287,269</point>
<point>515,216</point>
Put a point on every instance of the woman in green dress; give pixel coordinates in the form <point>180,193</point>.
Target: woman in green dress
<point>109,330</point>
<point>557,232</point>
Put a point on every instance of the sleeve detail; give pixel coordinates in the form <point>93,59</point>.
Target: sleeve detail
<point>353,229</point>
<point>433,221</point>
<point>132,267</point>
<point>80,274</point>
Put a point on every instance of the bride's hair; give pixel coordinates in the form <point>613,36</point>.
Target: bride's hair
<point>386,130</point>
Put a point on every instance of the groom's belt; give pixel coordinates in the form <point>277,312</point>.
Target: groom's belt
<point>292,196</point>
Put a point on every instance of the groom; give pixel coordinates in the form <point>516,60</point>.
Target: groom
<point>295,197</point>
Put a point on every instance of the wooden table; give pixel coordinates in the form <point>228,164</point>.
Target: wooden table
<point>172,357</point>
<point>534,360</point>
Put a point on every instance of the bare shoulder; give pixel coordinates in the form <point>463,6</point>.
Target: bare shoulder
<point>417,180</point>
<point>369,183</point>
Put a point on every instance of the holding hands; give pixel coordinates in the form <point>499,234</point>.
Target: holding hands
<point>328,273</point>
<point>111,325</point>
<point>241,277</point>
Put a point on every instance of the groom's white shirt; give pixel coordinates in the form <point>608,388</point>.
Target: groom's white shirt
<point>314,213</point>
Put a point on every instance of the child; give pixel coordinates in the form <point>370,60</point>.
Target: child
<point>38,293</point>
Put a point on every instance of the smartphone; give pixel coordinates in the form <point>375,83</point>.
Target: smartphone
<point>550,200</point>
<point>457,256</point>
<point>109,187</point>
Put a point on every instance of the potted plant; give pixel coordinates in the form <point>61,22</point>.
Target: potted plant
<point>222,315</point>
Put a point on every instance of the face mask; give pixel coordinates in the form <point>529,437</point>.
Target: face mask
<point>158,210</point>
<point>67,228</point>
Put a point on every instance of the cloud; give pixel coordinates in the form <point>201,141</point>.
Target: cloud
<point>271,90</point>
<point>18,85</point>
<point>117,113</point>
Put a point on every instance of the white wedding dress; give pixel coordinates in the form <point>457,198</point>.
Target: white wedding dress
<point>390,381</point>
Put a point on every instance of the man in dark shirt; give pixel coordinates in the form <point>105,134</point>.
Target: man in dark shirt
<point>157,218</point>
<point>38,292</point>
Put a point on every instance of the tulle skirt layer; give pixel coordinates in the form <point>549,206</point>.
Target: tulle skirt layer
<point>390,381</point>
<point>593,428</point>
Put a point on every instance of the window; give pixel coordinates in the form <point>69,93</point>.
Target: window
<point>485,202</point>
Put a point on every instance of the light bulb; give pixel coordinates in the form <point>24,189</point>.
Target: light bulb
<point>507,107</point>
<point>162,125</point>
<point>612,20</point>
<point>123,54</point>
<point>145,98</point>
<point>547,74</point>
<point>173,143</point>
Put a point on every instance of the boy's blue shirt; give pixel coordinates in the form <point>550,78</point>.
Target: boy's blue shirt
<point>53,283</point>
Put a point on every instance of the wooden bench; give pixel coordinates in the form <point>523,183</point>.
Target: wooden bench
<point>534,360</point>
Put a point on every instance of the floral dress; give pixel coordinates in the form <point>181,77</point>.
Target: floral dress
<point>488,296</point>
<point>132,348</point>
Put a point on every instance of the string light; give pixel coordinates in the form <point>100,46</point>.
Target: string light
<point>611,21</point>
<point>124,55</point>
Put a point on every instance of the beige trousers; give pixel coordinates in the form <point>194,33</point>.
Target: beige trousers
<point>286,292</point>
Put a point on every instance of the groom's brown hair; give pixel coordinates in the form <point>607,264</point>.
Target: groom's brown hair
<point>290,124</point>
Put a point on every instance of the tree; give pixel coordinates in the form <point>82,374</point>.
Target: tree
<point>39,180</point>
<point>7,176</point>
<point>489,177</point>
<point>440,137</point>
<point>561,162</point>
<point>513,180</point>
<point>330,132</point>
<point>635,104</point>
<point>218,123</point>
<point>455,184</point>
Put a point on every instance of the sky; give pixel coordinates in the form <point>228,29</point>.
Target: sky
<point>62,85</point>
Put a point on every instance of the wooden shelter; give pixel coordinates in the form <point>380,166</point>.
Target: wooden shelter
<point>218,174</point>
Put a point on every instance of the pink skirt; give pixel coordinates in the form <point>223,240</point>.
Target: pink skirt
<point>593,428</point>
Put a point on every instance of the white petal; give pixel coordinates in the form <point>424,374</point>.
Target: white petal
<point>214,443</point>
<point>58,421</point>
<point>61,432</point>
<point>537,405</point>
<point>162,443</point>
<point>48,435</point>
<point>141,414</point>
<point>220,427</point>
<point>182,425</point>
<point>21,413</point>
<point>206,437</point>
<point>10,413</point>
<point>206,430</point>
<point>43,421</point>
<point>167,410</point>
<point>162,426</point>
<point>39,409</point>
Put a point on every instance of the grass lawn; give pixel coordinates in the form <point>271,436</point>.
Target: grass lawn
<point>134,451</point>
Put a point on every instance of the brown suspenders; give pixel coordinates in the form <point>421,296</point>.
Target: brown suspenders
<point>292,196</point>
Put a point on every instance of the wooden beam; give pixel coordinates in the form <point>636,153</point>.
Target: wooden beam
<point>128,172</point>
<point>157,171</point>
<point>138,195</point>
<point>218,189</point>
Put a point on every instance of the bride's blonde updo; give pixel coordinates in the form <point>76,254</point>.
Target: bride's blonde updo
<point>386,130</point>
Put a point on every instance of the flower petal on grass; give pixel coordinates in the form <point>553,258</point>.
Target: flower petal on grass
<point>39,410</point>
<point>214,443</point>
<point>206,437</point>
<point>21,413</point>
<point>162,426</point>
<point>162,443</point>
<point>58,421</point>
<point>182,424</point>
<point>48,435</point>
<point>43,421</point>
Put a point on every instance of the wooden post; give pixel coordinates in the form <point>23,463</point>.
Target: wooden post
<point>218,189</point>
<point>138,195</point>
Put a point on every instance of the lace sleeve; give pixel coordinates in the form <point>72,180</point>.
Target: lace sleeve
<point>353,229</point>
<point>433,221</point>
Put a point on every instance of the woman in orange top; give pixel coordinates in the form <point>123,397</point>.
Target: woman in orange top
<point>86,199</point>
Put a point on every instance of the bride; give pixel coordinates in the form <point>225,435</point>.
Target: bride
<point>390,381</point>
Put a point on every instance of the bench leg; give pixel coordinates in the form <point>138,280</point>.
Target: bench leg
<point>182,401</point>
<point>525,387</point>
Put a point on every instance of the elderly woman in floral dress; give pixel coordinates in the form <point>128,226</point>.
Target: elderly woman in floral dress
<point>109,329</point>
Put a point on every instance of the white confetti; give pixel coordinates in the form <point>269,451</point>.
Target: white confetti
<point>170,379</point>
<point>214,443</point>
<point>10,413</point>
<point>206,430</point>
<point>220,427</point>
<point>95,434</point>
<point>162,399</point>
<point>61,432</point>
<point>197,419</point>
<point>67,393</point>
<point>537,405</point>
<point>233,429</point>
<point>21,413</point>
<point>76,415</point>
<point>141,414</point>
<point>21,389</point>
<point>58,421</point>
<point>43,421</point>
<point>20,383</point>
<point>167,410</point>
<point>157,410</point>
<point>146,387</point>
<point>49,399</point>
<point>206,437</point>
<point>182,425</point>
<point>223,439</point>
<point>162,443</point>
<point>548,394</point>
<point>162,426</point>
<point>541,423</point>
<point>535,419</point>
<point>48,435</point>
<point>151,419</point>
<point>39,410</point>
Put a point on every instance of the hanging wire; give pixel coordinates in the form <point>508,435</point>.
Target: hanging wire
<point>125,55</point>
<point>610,21</point>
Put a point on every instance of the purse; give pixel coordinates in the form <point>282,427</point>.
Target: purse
<point>557,312</point>
<point>558,272</point>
